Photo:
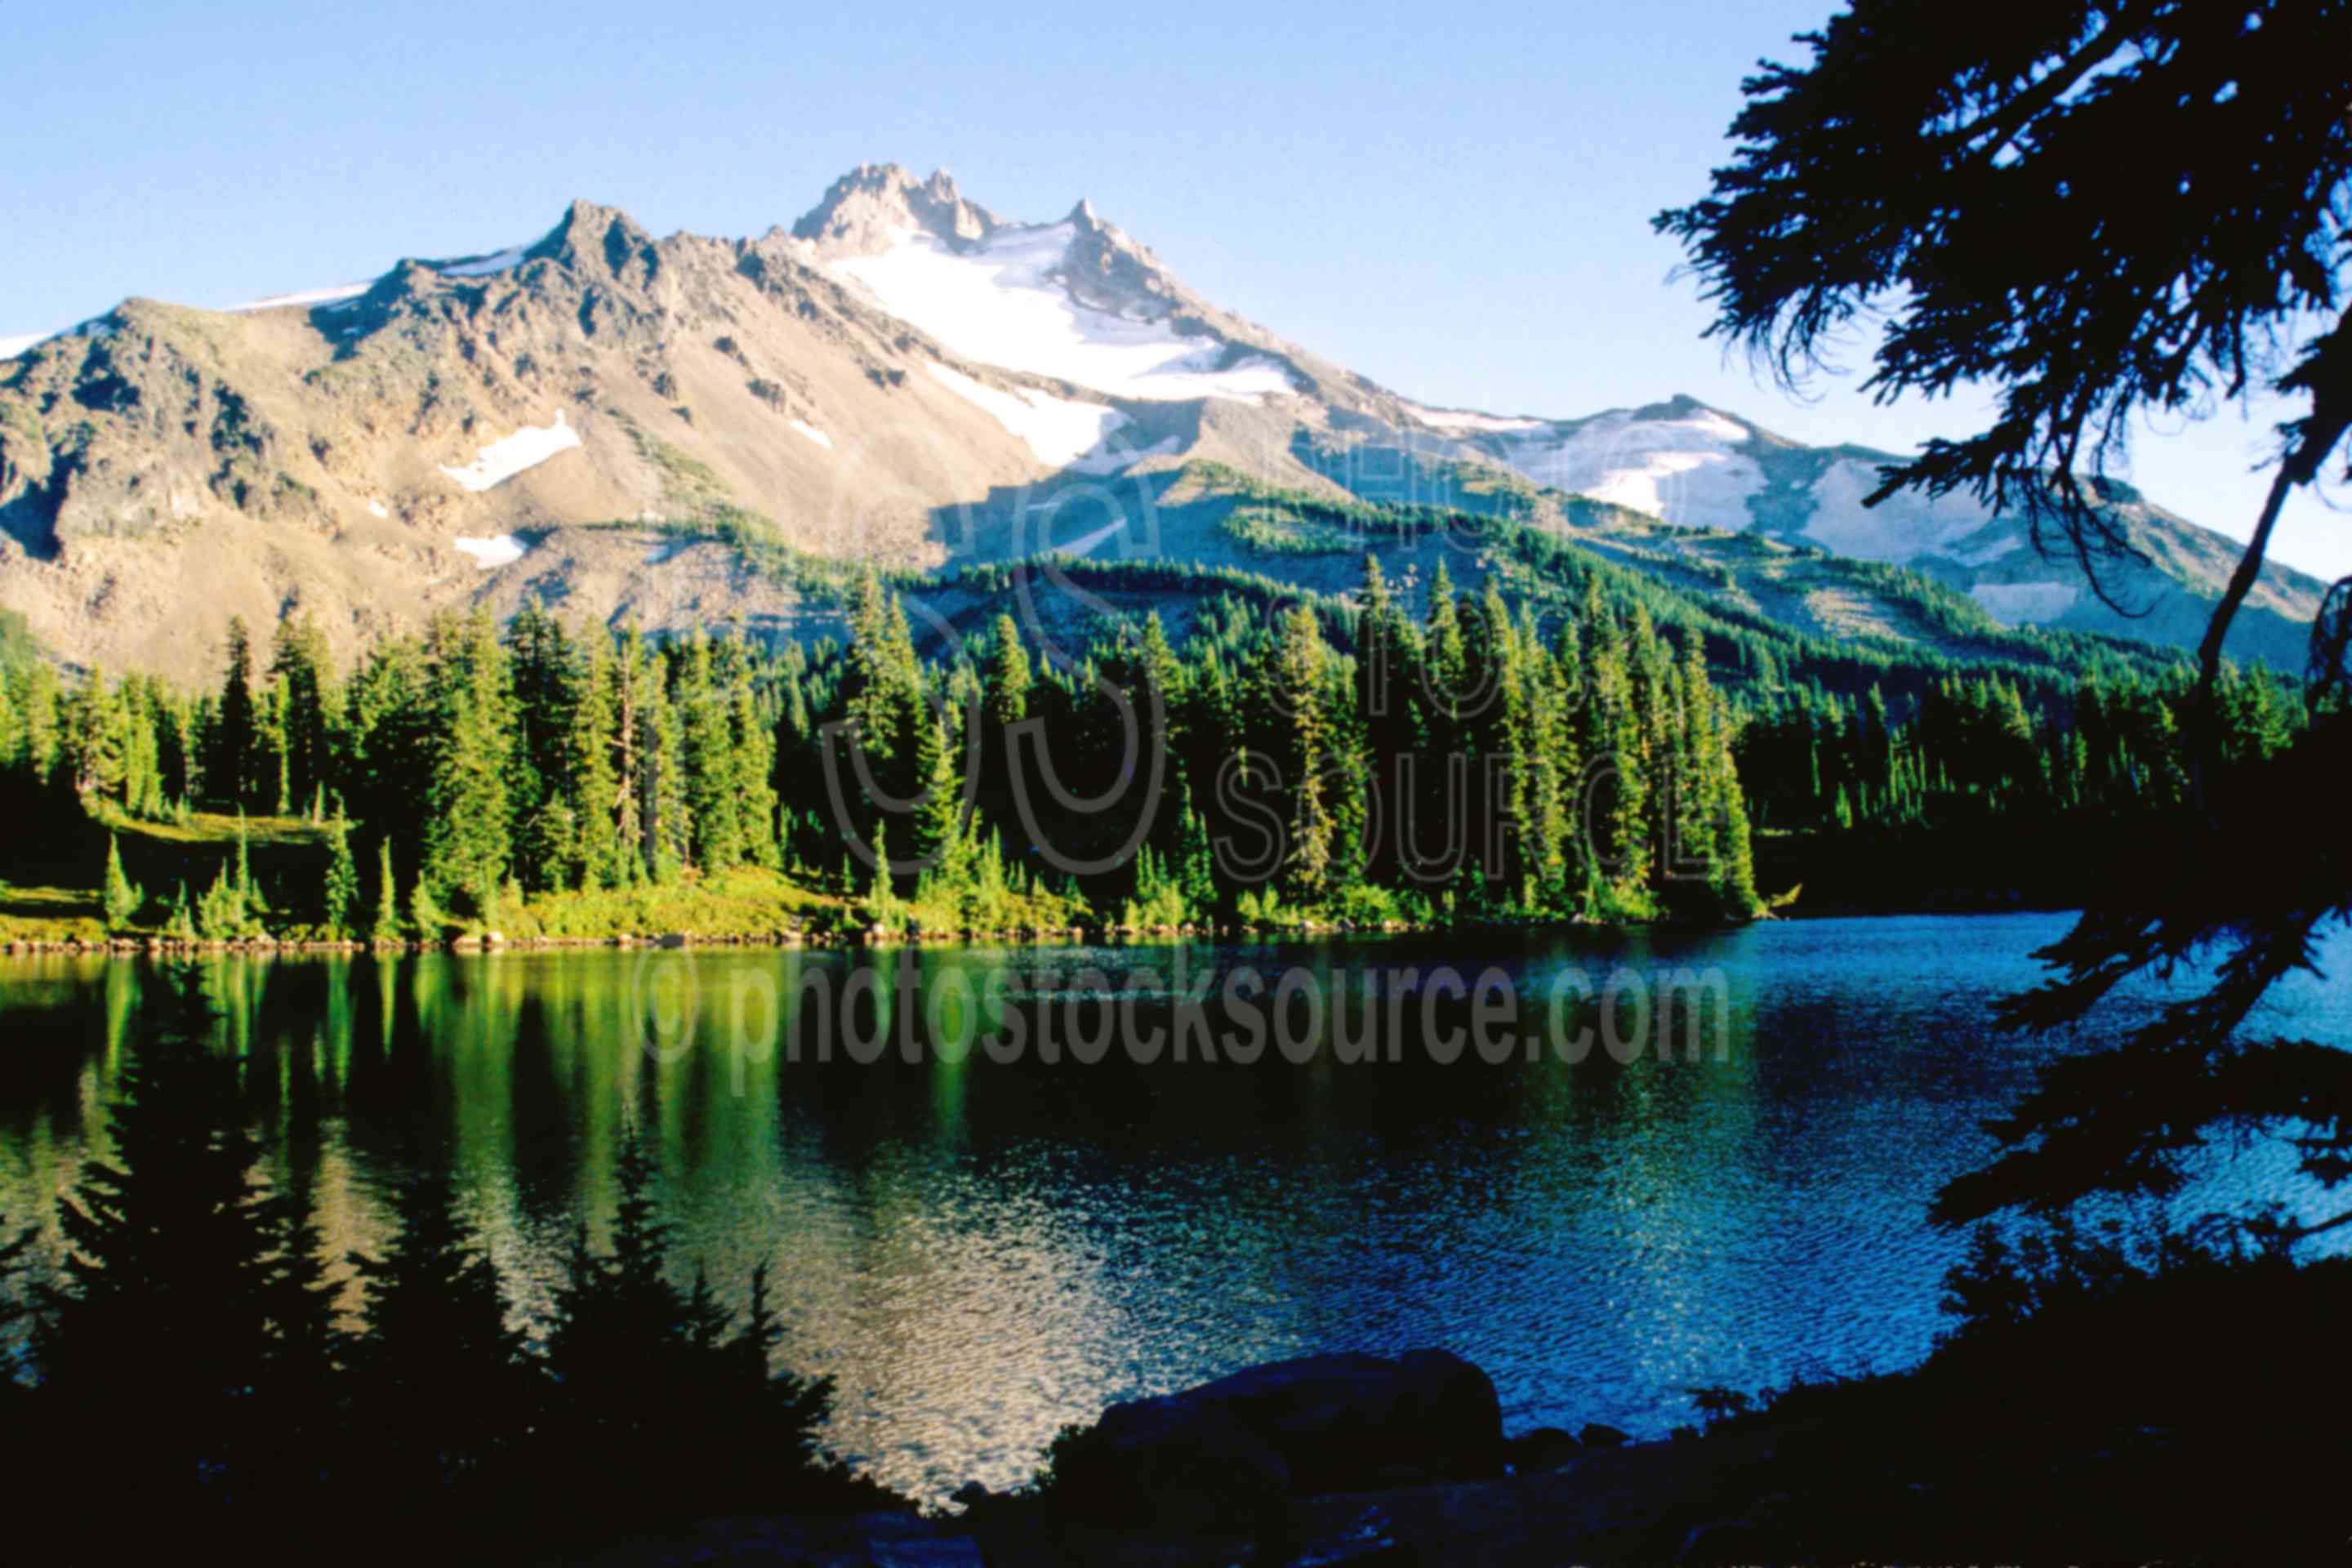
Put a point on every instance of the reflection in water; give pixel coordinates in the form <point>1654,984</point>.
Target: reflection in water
<point>980,1250</point>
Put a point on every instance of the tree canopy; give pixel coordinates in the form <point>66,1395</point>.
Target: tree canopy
<point>2103,210</point>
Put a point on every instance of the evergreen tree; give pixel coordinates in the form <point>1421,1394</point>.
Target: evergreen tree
<point>122,899</point>
<point>339,895</point>
<point>627,1349</point>
<point>1008,678</point>
<point>94,738</point>
<point>467,842</point>
<point>938,819</point>
<point>299,670</point>
<point>437,1341</point>
<point>661,800</point>
<point>157,1344</point>
<point>589,781</point>
<point>387,898</point>
<point>1300,670</point>
<point>707,779</point>
<point>229,769</point>
<point>750,760</point>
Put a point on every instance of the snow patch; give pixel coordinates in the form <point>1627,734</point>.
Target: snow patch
<point>1106,459</point>
<point>2032,604</point>
<point>1461,420</point>
<point>1059,432</point>
<point>489,553</point>
<point>814,434</point>
<point>1086,541</point>
<point>311,297</point>
<point>1900,529</point>
<point>96,326</point>
<point>525,449</point>
<point>1685,471</point>
<point>483,266</point>
<point>1004,303</point>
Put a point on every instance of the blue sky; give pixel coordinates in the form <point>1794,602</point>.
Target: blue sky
<point>1454,200</point>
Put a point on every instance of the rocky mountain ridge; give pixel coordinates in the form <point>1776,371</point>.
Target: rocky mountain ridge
<point>599,419</point>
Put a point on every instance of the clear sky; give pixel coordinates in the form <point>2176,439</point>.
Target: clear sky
<point>1453,199</point>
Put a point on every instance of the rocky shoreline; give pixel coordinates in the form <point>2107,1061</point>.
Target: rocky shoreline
<point>1334,1461</point>
<point>790,937</point>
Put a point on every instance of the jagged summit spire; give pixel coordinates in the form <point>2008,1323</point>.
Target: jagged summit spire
<point>873,202</point>
<point>595,237</point>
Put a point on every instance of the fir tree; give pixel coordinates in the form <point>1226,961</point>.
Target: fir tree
<point>158,1339</point>
<point>588,779</point>
<point>181,925</point>
<point>438,1341</point>
<point>387,898</point>
<point>708,784</point>
<point>122,899</point>
<point>467,843</point>
<point>1008,676</point>
<point>305,718</point>
<point>1301,664</point>
<point>230,766</point>
<point>339,895</point>
<point>627,1349</point>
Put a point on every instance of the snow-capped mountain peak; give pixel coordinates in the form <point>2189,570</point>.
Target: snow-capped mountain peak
<point>1073,300</point>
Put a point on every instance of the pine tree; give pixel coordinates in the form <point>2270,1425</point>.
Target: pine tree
<point>751,754</point>
<point>438,1370</point>
<point>230,767</point>
<point>222,913</point>
<point>1300,668</point>
<point>1009,679</point>
<point>305,719</point>
<point>425,912</point>
<point>387,897</point>
<point>467,842</point>
<point>39,706</point>
<point>661,801</point>
<point>589,781</point>
<point>882,694</point>
<point>621,1346</point>
<point>1448,667</point>
<point>339,895</point>
<point>94,738</point>
<point>709,784</point>
<point>122,899</point>
<point>158,1339</point>
<point>635,682</point>
<point>938,819</point>
<point>778,1415</point>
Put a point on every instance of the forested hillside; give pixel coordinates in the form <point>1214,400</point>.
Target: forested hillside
<point>1574,740</point>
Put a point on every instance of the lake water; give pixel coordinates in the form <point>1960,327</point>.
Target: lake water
<point>981,1249</point>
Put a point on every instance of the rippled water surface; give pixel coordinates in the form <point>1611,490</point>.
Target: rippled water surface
<point>980,1250</point>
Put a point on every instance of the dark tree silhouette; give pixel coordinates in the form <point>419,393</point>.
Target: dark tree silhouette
<point>157,1344</point>
<point>437,1341</point>
<point>2104,210</point>
<point>650,1384</point>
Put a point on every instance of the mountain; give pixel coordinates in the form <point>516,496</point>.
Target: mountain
<point>675,429</point>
